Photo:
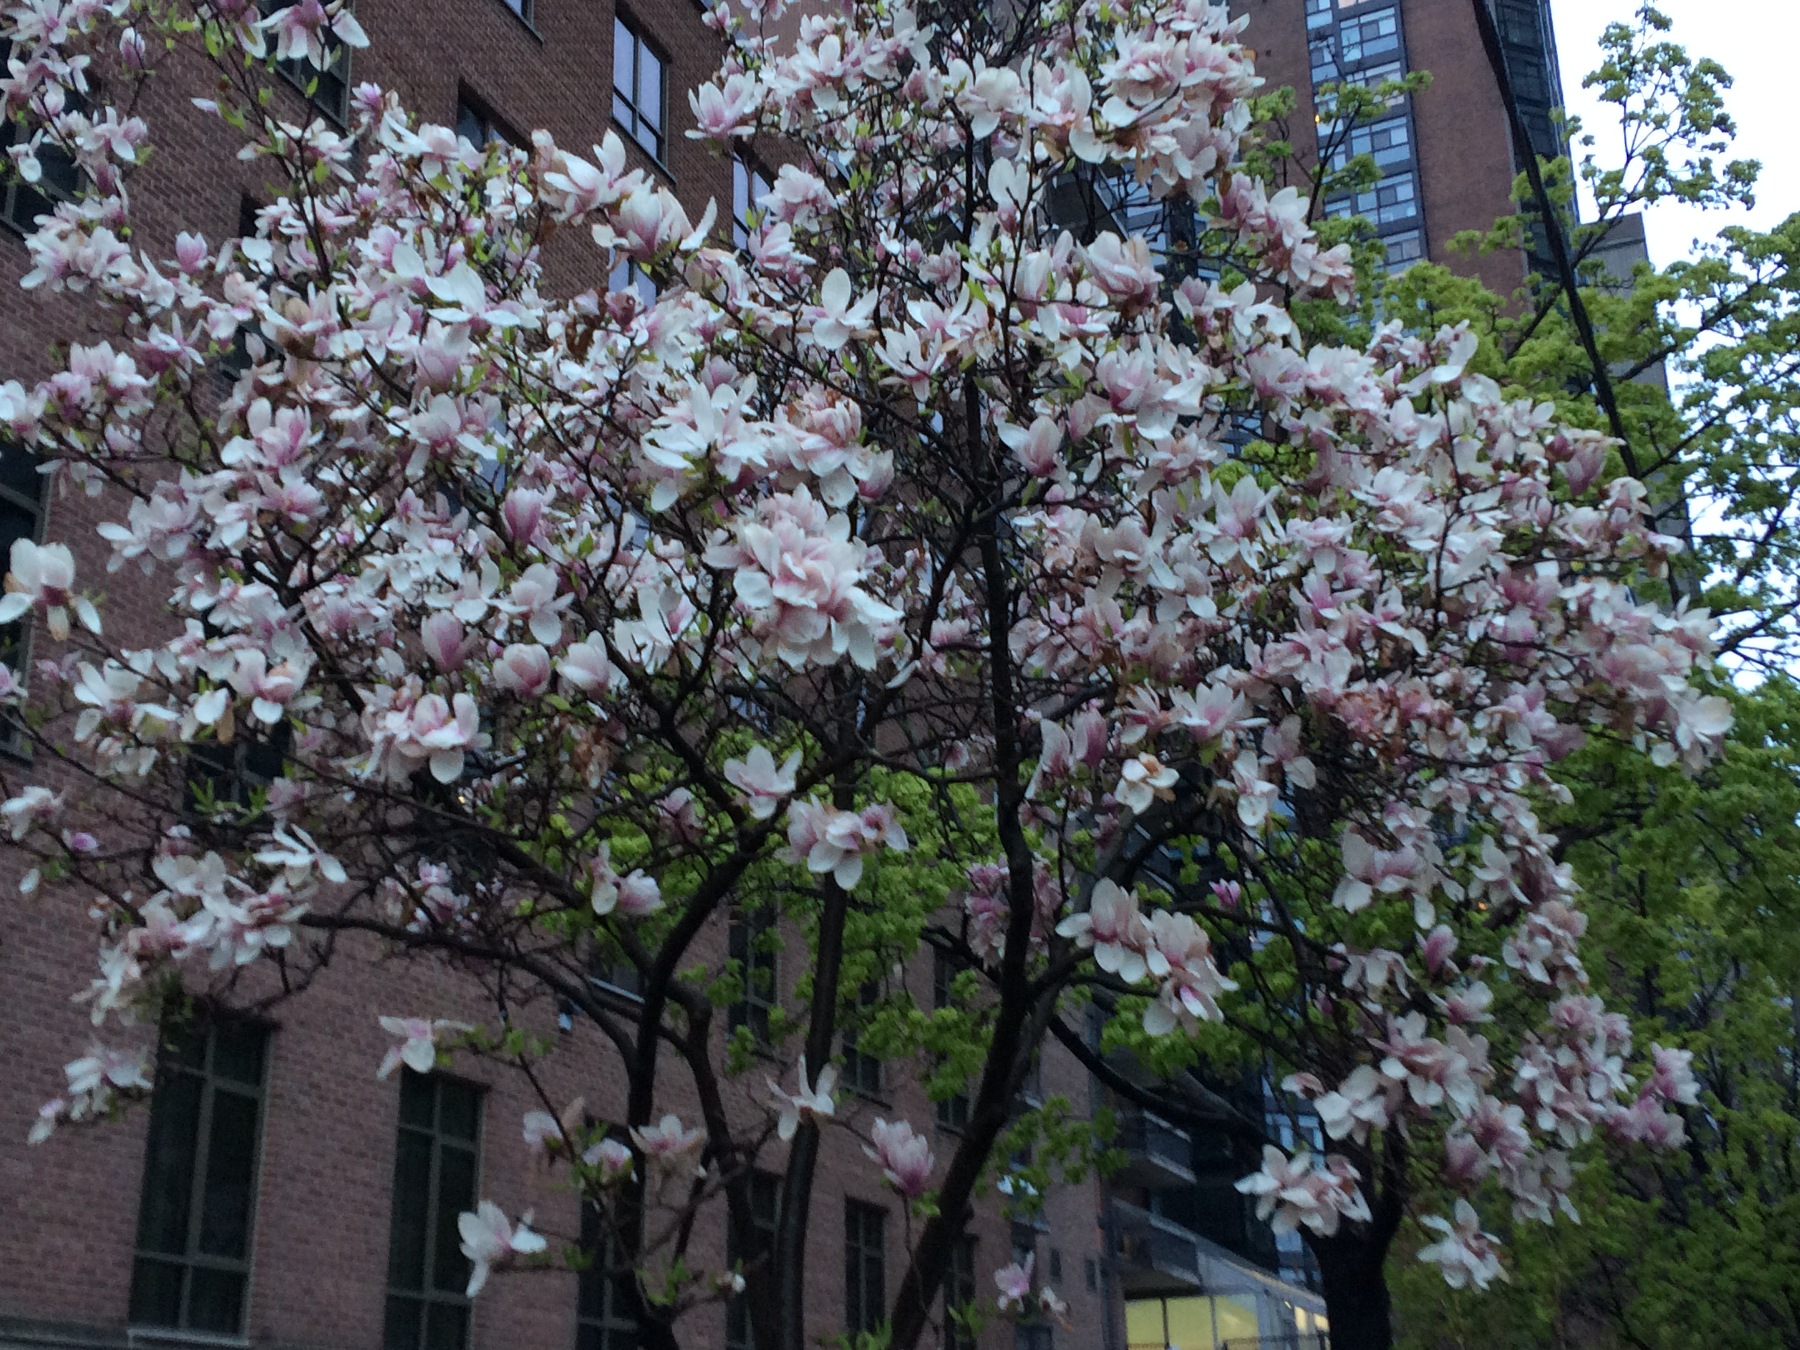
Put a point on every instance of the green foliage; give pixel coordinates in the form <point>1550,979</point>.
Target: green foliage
<point>1693,893</point>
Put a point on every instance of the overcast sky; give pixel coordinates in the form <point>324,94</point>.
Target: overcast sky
<point>1756,40</point>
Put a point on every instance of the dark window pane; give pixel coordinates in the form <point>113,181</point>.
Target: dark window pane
<point>404,1320</point>
<point>215,1300</point>
<point>446,1326</point>
<point>230,1176</point>
<point>169,1164</point>
<point>156,1293</point>
<point>412,1211</point>
<point>416,1100</point>
<point>459,1110</point>
<point>456,1193</point>
<point>18,472</point>
<point>238,1054</point>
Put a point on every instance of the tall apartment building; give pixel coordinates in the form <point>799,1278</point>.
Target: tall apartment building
<point>1447,155</point>
<point>277,1193</point>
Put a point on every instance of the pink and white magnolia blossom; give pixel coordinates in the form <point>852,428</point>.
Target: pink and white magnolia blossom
<point>1306,1190</point>
<point>418,1048</point>
<point>1465,1254</point>
<point>811,1103</point>
<point>669,1146</point>
<point>490,1239</point>
<point>905,1157</point>
<point>1014,1283</point>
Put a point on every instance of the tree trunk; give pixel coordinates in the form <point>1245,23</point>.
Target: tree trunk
<point>1356,1292</point>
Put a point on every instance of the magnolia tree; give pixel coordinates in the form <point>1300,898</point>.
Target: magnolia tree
<point>571,620</point>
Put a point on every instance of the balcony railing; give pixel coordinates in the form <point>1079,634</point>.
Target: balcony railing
<point>1156,1152</point>
<point>1154,1256</point>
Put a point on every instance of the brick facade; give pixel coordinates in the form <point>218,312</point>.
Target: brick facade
<point>1464,148</point>
<point>328,1137</point>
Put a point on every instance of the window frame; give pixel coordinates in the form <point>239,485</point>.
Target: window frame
<point>300,73</point>
<point>610,1328</point>
<point>199,1163</point>
<point>16,637</point>
<point>864,1256</point>
<point>749,927</point>
<point>634,121</point>
<point>746,176</point>
<point>428,1295</point>
<point>12,187</point>
<point>960,1289</point>
<point>860,1067</point>
<point>740,1334</point>
<point>952,1112</point>
<point>1354,47</point>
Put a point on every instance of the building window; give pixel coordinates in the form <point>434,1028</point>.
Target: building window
<point>604,1318</point>
<point>615,972</point>
<point>865,1266</point>
<point>1404,249</point>
<point>637,87</point>
<point>1370,35</point>
<point>754,946</point>
<point>435,1165</point>
<point>522,8</point>
<point>1324,59</point>
<point>1391,199</point>
<point>748,187</point>
<point>476,125</point>
<point>21,508</point>
<point>628,276</point>
<point>959,1293</point>
<point>952,1111</point>
<point>1318,13</point>
<point>331,94</point>
<point>862,1072</point>
<point>765,1215</point>
<point>21,203</point>
<point>1387,142</point>
<point>197,1212</point>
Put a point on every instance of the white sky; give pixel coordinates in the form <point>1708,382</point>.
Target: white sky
<point>1755,40</point>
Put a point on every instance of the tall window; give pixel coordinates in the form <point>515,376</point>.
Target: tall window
<point>862,1072</point>
<point>753,947</point>
<point>199,1200</point>
<point>748,187</point>
<point>434,1181</point>
<point>331,94</point>
<point>637,87</point>
<point>865,1266</point>
<point>765,1212</point>
<point>959,1293</point>
<point>952,1111</point>
<point>21,505</point>
<point>1323,56</point>
<point>604,1316</point>
<point>21,203</point>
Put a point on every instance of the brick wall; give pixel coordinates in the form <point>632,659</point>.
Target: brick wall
<point>327,1153</point>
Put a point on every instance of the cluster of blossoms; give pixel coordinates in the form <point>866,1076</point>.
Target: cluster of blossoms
<point>510,581</point>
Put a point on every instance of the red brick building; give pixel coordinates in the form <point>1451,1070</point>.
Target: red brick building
<point>280,1194</point>
<point>1447,154</point>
